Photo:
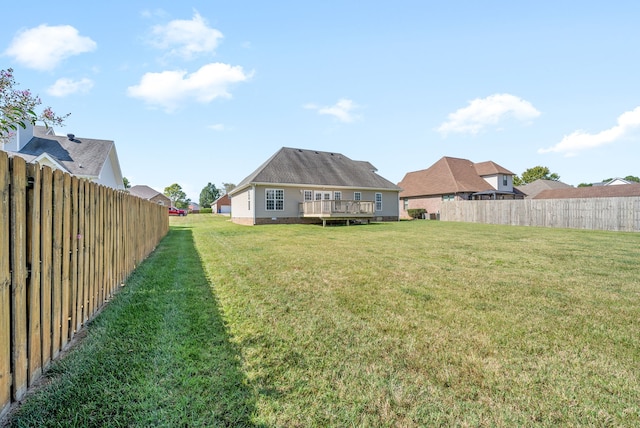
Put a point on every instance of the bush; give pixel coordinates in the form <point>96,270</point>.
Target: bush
<point>205,210</point>
<point>416,212</point>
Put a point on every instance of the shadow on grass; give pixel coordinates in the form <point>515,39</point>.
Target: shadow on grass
<point>158,355</point>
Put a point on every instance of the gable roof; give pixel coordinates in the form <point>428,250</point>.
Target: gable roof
<point>224,199</point>
<point>537,186</point>
<point>315,168</point>
<point>82,157</point>
<point>621,190</point>
<point>144,192</point>
<point>450,175</point>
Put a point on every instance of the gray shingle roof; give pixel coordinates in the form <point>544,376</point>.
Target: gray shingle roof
<point>535,187</point>
<point>311,167</point>
<point>142,191</point>
<point>80,156</point>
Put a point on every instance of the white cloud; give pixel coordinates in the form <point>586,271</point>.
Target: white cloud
<point>186,39</point>
<point>45,47</point>
<point>579,140</point>
<point>63,87</point>
<point>484,112</point>
<point>217,127</point>
<point>342,110</point>
<point>170,89</point>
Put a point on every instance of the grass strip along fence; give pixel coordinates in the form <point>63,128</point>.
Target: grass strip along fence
<point>66,245</point>
<point>411,324</point>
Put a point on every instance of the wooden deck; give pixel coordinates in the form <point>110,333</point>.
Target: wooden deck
<point>335,210</point>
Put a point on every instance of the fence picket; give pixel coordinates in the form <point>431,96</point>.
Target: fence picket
<point>33,259</point>
<point>56,282</point>
<point>5,289</point>
<point>18,199</point>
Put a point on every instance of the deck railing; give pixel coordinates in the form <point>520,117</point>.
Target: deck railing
<point>337,208</point>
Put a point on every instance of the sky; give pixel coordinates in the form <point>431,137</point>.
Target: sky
<point>204,91</point>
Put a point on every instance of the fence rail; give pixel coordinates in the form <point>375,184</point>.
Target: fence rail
<point>615,214</point>
<point>66,246</point>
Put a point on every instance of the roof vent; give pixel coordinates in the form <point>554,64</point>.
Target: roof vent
<point>71,136</point>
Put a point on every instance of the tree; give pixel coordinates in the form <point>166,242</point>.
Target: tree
<point>125,183</point>
<point>177,196</point>
<point>209,194</point>
<point>228,187</point>
<point>533,174</point>
<point>17,108</point>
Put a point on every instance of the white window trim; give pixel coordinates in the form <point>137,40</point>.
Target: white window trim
<point>378,202</point>
<point>275,199</point>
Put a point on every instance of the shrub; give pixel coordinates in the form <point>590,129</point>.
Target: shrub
<point>416,212</point>
<point>205,210</point>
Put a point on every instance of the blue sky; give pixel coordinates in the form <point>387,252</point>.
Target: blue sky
<point>205,91</point>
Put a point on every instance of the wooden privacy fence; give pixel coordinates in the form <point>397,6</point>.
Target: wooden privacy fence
<point>615,214</point>
<point>66,246</point>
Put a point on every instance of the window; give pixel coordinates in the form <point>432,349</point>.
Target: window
<point>337,196</point>
<point>274,199</point>
<point>249,199</point>
<point>308,195</point>
<point>505,181</point>
<point>378,201</point>
<point>357,196</point>
<point>406,204</point>
<point>448,197</point>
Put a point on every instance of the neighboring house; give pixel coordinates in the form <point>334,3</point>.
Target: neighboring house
<point>530,190</point>
<point>146,192</point>
<point>613,182</point>
<point>95,160</point>
<point>222,205</point>
<point>308,186</point>
<point>194,207</point>
<point>619,191</point>
<point>455,179</point>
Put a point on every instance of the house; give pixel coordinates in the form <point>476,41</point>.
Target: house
<point>146,192</point>
<point>222,205</point>
<point>613,182</point>
<point>92,159</point>
<point>530,190</point>
<point>451,179</point>
<point>309,186</point>
<point>194,207</point>
<point>618,191</point>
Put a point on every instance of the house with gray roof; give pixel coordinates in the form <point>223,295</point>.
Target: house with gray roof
<point>530,190</point>
<point>309,186</point>
<point>89,158</point>
<point>455,179</point>
<point>149,194</point>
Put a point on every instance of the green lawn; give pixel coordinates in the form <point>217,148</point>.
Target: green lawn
<point>419,323</point>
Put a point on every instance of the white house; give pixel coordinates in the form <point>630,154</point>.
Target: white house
<point>95,160</point>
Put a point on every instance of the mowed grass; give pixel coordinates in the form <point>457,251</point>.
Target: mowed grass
<point>419,323</point>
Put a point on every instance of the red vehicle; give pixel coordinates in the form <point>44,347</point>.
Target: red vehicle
<point>177,211</point>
